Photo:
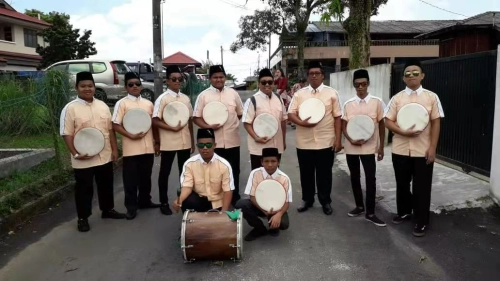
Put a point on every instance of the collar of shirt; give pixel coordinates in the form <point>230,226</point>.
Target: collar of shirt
<point>265,174</point>
<point>215,157</point>
<point>262,93</point>
<point>173,93</point>
<point>366,99</point>
<point>84,101</point>
<point>409,91</point>
<point>134,98</point>
<point>215,89</point>
<point>310,88</point>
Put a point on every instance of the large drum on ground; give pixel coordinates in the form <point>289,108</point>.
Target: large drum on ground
<point>314,108</point>
<point>174,112</point>
<point>413,114</point>
<point>89,141</point>
<point>265,125</point>
<point>360,127</point>
<point>137,120</point>
<point>270,194</point>
<point>211,236</point>
<point>215,112</point>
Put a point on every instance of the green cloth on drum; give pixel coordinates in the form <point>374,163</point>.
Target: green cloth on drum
<point>234,215</point>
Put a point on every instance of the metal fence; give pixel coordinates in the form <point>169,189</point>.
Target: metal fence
<point>466,87</point>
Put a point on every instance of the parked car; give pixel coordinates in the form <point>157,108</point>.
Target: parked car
<point>108,77</point>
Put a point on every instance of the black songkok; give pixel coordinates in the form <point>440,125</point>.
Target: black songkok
<point>130,75</point>
<point>415,62</point>
<point>216,69</point>
<point>84,76</point>
<point>173,69</point>
<point>315,64</point>
<point>265,73</point>
<point>360,73</point>
<point>270,152</point>
<point>205,134</point>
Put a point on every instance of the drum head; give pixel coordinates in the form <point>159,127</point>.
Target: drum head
<point>314,108</point>
<point>174,112</point>
<point>215,112</point>
<point>360,127</point>
<point>89,141</point>
<point>413,114</point>
<point>265,125</point>
<point>270,194</point>
<point>137,120</point>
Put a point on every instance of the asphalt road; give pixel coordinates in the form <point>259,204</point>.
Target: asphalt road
<point>462,245</point>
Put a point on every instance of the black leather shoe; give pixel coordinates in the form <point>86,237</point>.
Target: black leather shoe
<point>165,209</point>
<point>149,205</point>
<point>327,209</point>
<point>304,207</point>
<point>131,215</point>
<point>83,225</point>
<point>112,214</point>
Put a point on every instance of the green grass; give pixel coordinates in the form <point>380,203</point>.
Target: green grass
<point>27,141</point>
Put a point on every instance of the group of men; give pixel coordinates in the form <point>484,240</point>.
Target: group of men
<point>210,179</point>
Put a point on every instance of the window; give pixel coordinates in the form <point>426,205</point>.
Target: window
<point>98,67</point>
<point>59,67</point>
<point>30,38</point>
<point>121,67</point>
<point>6,33</point>
<point>74,68</point>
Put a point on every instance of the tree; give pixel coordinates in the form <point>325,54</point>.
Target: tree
<point>282,15</point>
<point>356,25</point>
<point>64,42</point>
<point>205,66</point>
<point>230,76</point>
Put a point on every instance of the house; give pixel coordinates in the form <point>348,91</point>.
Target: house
<point>19,39</point>
<point>185,62</point>
<point>479,33</point>
<point>393,41</point>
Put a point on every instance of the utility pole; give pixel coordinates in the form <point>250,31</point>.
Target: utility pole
<point>269,59</point>
<point>157,48</point>
<point>258,62</point>
<point>221,56</point>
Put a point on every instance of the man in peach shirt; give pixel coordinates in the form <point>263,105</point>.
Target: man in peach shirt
<point>252,212</point>
<point>414,152</point>
<point>364,104</point>
<point>264,101</point>
<point>317,143</point>
<point>178,140</point>
<point>206,180</point>
<point>138,149</point>
<point>87,112</point>
<point>227,135</point>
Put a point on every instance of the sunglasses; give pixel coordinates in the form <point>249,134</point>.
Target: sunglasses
<point>203,145</point>
<point>362,84</point>
<point>315,73</point>
<point>138,84</point>
<point>410,73</point>
<point>175,79</point>
<point>268,82</point>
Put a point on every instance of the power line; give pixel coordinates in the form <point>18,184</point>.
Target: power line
<point>442,8</point>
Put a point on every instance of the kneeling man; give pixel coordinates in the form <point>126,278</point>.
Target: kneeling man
<point>277,219</point>
<point>206,179</point>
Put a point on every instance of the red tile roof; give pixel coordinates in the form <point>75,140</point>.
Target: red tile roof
<point>180,58</point>
<point>21,16</point>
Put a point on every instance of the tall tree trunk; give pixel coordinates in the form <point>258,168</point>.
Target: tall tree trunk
<point>301,42</point>
<point>358,30</point>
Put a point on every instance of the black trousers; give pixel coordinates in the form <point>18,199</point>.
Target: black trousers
<point>315,168</point>
<point>369,167</point>
<point>137,171</point>
<point>84,189</point>
<point>197,203</point>
<point>167,159</point>
<point>253,215</point>
<point>413,169</point>
<point>256,161</point>
<point>232,155</point>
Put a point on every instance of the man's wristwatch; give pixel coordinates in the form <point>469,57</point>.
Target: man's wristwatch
<point>76,155</point>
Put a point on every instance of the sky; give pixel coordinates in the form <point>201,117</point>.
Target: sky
<point>122,29</point>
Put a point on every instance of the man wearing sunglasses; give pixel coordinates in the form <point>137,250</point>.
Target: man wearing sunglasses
<point>264,101</point>
<point>414,152</point>
<point>206,180</point>
<point>227,135</point>
<point>138,149</point>
<point>317,143</point>
<point>364,150</point>
<point>178,140</point>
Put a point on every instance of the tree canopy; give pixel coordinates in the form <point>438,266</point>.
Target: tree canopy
<point>64,42</point>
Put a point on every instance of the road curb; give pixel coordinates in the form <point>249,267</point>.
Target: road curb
<point>30,209</point>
